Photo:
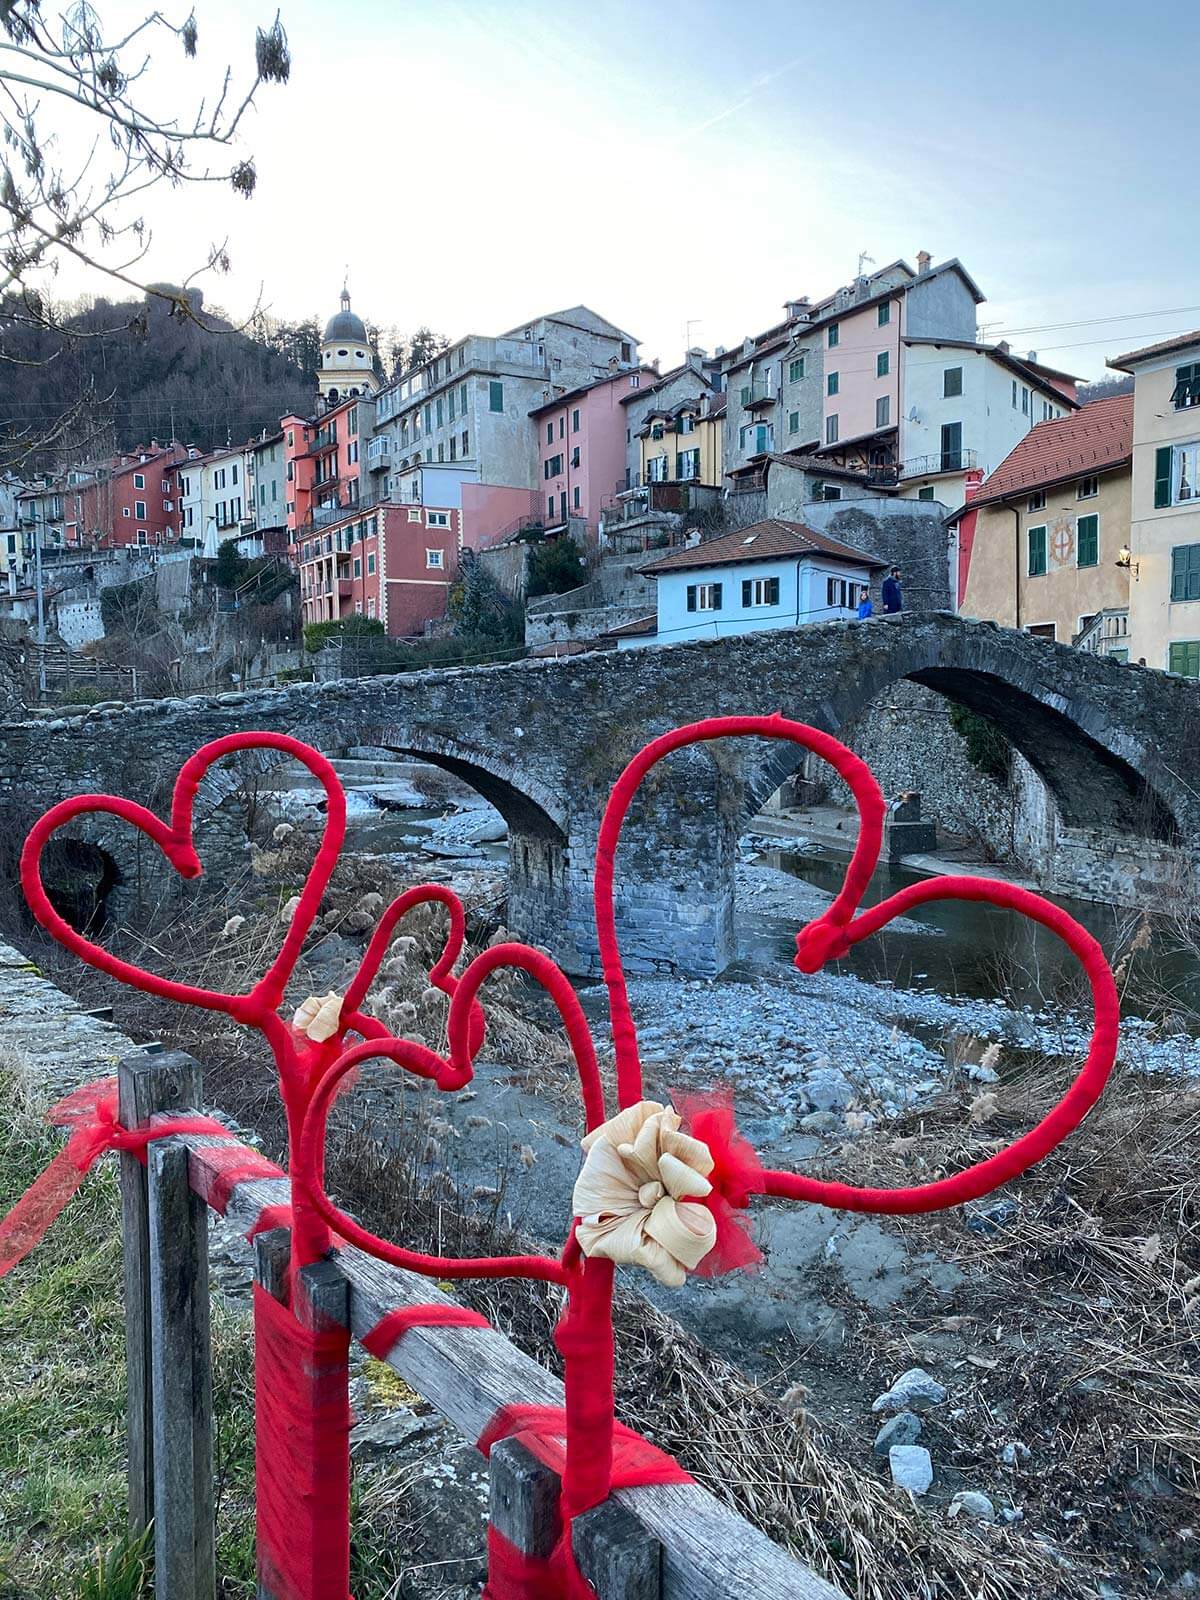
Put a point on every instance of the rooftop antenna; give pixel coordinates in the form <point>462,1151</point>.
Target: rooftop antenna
<point>863,258</point>
<point>687,331</point>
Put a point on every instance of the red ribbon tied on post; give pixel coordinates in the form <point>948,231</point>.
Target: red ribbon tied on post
<point>311,1072</point>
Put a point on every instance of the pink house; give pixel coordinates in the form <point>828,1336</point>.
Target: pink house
<point>582,449</point>
<point>394,564</point>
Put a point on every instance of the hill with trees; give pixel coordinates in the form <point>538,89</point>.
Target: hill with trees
<point>123,372</point>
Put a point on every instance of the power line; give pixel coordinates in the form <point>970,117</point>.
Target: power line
<point>1089,322</point>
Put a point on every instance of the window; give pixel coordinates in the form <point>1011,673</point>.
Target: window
<point>575,498</point>
<point>414,516</point>
<point>441,452</point>
<point>371,605</point>
<point>883,364</point>
<point>165,487</point>
<point>656,467</point>
<point>575,456</point>
<point>466,439</point>
<point>796,370</point>
<point>575,420</point>
<point>831,430</point>
<point>1184,657</point>
<point>827,491</point>
<point>1014,394</point>
<point>834,337</point>
<point>686,423</point>
<point>435,560</point>
<point>832,381</point>
<point>1042,630</point>
<point>1186,393</point>
<point>626,351</point>
<point>549,433</point>
<point>139,480</point>
<point>793,422</point>
<point>495,396</point>
<point>1037,551</point>
<point>124,511</point>
<point>883,410</point>
<point>428,417</point>
<point>1087,488</point>
<point>1185,572</point>
<point>760,592</point>
<point>687,464</point>
<point>1087,541</point>
<point>550,506</point>
<point>358,566</point>
<point>439,411</point>
<point>371,564</point>
<point>437,519</point>
<point>553,466</point>
<point>746,392</point>
<point>951,382</point>
<point>291,438</point>
<point>756,437</point>
<point>952,458</point>
<point>1036,501</point>
<point>925,492</point>
<point>139,509</point>
<point>842,594</point>
<point>704,597</point>
<point>885,313</point>
<point>1176,474</point>
<point>1024,400</point>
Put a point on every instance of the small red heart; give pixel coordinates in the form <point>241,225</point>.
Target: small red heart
<point>175,841</point>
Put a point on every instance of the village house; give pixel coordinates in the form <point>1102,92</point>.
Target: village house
<point>395,565</point>
<point>1040,545</point>
<point>886,378</point>
<point>1162,556</point>
<point>582,450</point>
<point>773,574</point>
<point>129,500</point>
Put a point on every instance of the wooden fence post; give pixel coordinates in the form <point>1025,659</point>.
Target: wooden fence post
<point>146,1083</point>
<point>523,1499</point>
<point>181,1380</point>
<point>620,1558</point>
<point>323,1302</point>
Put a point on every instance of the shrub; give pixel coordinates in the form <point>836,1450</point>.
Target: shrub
<point>555,566</point>
<point>988,748</point>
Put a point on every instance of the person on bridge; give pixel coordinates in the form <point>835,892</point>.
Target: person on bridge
<point>890,594</point>
<point>865,608</point>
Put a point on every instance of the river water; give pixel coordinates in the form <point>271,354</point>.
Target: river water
<point>980,951</point>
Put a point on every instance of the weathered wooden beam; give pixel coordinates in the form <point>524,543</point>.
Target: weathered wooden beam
<point>616,1553</point>
<point>181,1380</point>
<point>147,1082</point>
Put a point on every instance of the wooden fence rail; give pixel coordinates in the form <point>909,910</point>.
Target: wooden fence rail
<point>656,1542</point>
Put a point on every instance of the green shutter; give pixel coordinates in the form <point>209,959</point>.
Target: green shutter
<point>773,592</point>
<point>1087,541</point>
<point>1037,551</point>
<point>745,591</point>
<point>1162,476</point>
<point>793,422</point>
<point>691,597</point>
<point>1185,572</point>
<point>716,597</point>
<point>1184,658</point>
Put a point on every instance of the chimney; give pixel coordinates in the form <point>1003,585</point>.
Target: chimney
<point>1005,347</point>
<point>923,261</point>
<point>747,346</point>
<point>797,309</point>
<point>1031,355</point>
<point>695,359</point>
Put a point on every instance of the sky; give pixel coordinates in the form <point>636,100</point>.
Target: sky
<point>685,169</point>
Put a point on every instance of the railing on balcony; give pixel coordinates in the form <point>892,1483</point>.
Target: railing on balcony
<point>647,499</point>
<point>756,396</point>
<point>1105,633</point>
<point>378,458</point>
<point>941,461</point>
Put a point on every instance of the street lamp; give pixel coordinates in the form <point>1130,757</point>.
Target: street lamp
<point>1125,559</point>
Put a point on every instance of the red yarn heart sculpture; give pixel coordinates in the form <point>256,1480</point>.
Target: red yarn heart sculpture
<point>310,1074</point>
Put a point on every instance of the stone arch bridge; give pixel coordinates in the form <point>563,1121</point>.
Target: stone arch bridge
<point>544,741</point>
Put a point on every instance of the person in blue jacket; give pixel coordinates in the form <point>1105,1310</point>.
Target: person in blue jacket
<point>865,608</point>
<point>890,593</point>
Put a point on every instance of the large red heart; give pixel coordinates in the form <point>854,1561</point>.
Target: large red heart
<point>831,935</point>
<point>174,839</point>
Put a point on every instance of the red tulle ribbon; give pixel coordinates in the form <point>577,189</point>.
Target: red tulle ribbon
<point>91,1115</point>
<point>736,1175</point>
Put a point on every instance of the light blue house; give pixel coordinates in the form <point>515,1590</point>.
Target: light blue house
<point>773,574</point>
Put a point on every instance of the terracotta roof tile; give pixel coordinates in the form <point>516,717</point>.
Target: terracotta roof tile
<point>1098,437</point>
<point>763,541</point>
<point>632,630</point>
<point>1182,341</point>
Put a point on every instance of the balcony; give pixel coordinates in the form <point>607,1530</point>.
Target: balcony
<point>322,443</point>
<point>1106,633</point>
<point>942,461</point>
<point>379,460</point>
<point>756,397</point>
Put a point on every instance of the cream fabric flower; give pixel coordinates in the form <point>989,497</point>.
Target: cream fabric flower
<point>635,1198</point>
<point>319,1017</point>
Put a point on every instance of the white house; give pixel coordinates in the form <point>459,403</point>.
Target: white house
<point>964,408</point>
<point>773,574</point>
